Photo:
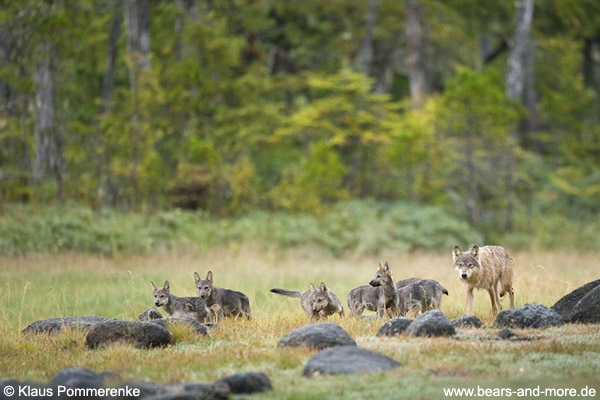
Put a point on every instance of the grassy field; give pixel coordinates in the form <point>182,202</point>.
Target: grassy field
<point>37,287</point>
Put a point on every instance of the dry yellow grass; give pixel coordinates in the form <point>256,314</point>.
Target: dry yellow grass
<point>50,286</point>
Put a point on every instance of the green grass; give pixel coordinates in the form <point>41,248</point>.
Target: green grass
<point>36,287</point>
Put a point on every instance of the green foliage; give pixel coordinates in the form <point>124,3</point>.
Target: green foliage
<point>250,106</point>
<point>318,181</point>
<point>353,227</point>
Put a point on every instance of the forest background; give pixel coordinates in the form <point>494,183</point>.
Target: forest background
<point>350,126</point>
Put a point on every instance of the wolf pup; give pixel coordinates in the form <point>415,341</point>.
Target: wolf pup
<point>388,300</point>
<point>221,302</point>
<point>420,296</point>
<point>179,307</point>
<point>367,296</point>
<point>484,268</point>
<point>316,303</point>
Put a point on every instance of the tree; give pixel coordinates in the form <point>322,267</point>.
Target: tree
<point>516,74</point>
<point>416,50</point>
<point>137,16</point>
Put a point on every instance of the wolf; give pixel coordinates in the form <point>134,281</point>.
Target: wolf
<point>221,302</point>
<point>485,268</point>
<point>366,297</point>
<point>317,303</point>
<point>179,307</point>
<point>419,296</point>
<point>388,298</point>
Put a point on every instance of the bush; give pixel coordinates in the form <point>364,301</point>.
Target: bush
<point>353,227</point>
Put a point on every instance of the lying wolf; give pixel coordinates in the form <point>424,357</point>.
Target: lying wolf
<point>316,303</point>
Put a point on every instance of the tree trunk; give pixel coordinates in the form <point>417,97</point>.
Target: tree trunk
<point>108,82</point>
<point>137,15</point>
<point>516,73</point>
<point>48,143</point>
<point>107,192</point>
<point>516,70</point>
<point>366,59</point>
<point>530,101</point>
<point>182,8</point>
<point>416,48</point>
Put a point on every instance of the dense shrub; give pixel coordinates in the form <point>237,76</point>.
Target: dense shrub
<point>354,227</point>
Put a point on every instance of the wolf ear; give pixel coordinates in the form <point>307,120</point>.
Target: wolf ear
<point>387,269</point>
<point>380,266</point>
<point>154,287</point>
<point>209,277</point>
<point>312,287</point>
<point>196,277</point>
<point>166,286</point>
<point>456,253</point>
<point>324,288</point>
<point>475,251</point>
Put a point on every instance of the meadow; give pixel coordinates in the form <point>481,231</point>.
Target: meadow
<point>43,286</point>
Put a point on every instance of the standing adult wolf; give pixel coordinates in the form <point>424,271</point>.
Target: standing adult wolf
<point>484,268</point>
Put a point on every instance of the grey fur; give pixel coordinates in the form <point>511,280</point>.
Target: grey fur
<point>316,303</point>
<point>221,302</point>
<point>179,307</point>
<point>420,296</point>
<point>388,299</point>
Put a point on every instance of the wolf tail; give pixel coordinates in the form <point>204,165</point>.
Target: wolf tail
<point>288,293</point>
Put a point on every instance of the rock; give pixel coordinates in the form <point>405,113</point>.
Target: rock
<point>531,315</point>
<point>587,310</point>
<point>565,305</point>
<point>247,383</point>
<point>193,323</point>
<point>506,334</point>
<point>196,391</point>
<point>149,314</point>
<point>394,326</point>
<point>140,334</point>
<point>431,323</point>
<point>147,389</point>
<point>318,336</point>
<point>54,325</point>
<point>80,378</point>
<point>347,360</point>
<point>467,321</point>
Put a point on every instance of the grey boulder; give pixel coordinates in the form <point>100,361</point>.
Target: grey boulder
<point>431,323</point>
<point>581,305</point>
<point>247,383</point>
<point>347,360</point>
<point>140,334</point>
<point>394,326</point>
<point>53,325</point>
<point>318,336</point>
<point>149,314</point>
<point>467,321</point>
<point>531,315</point>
